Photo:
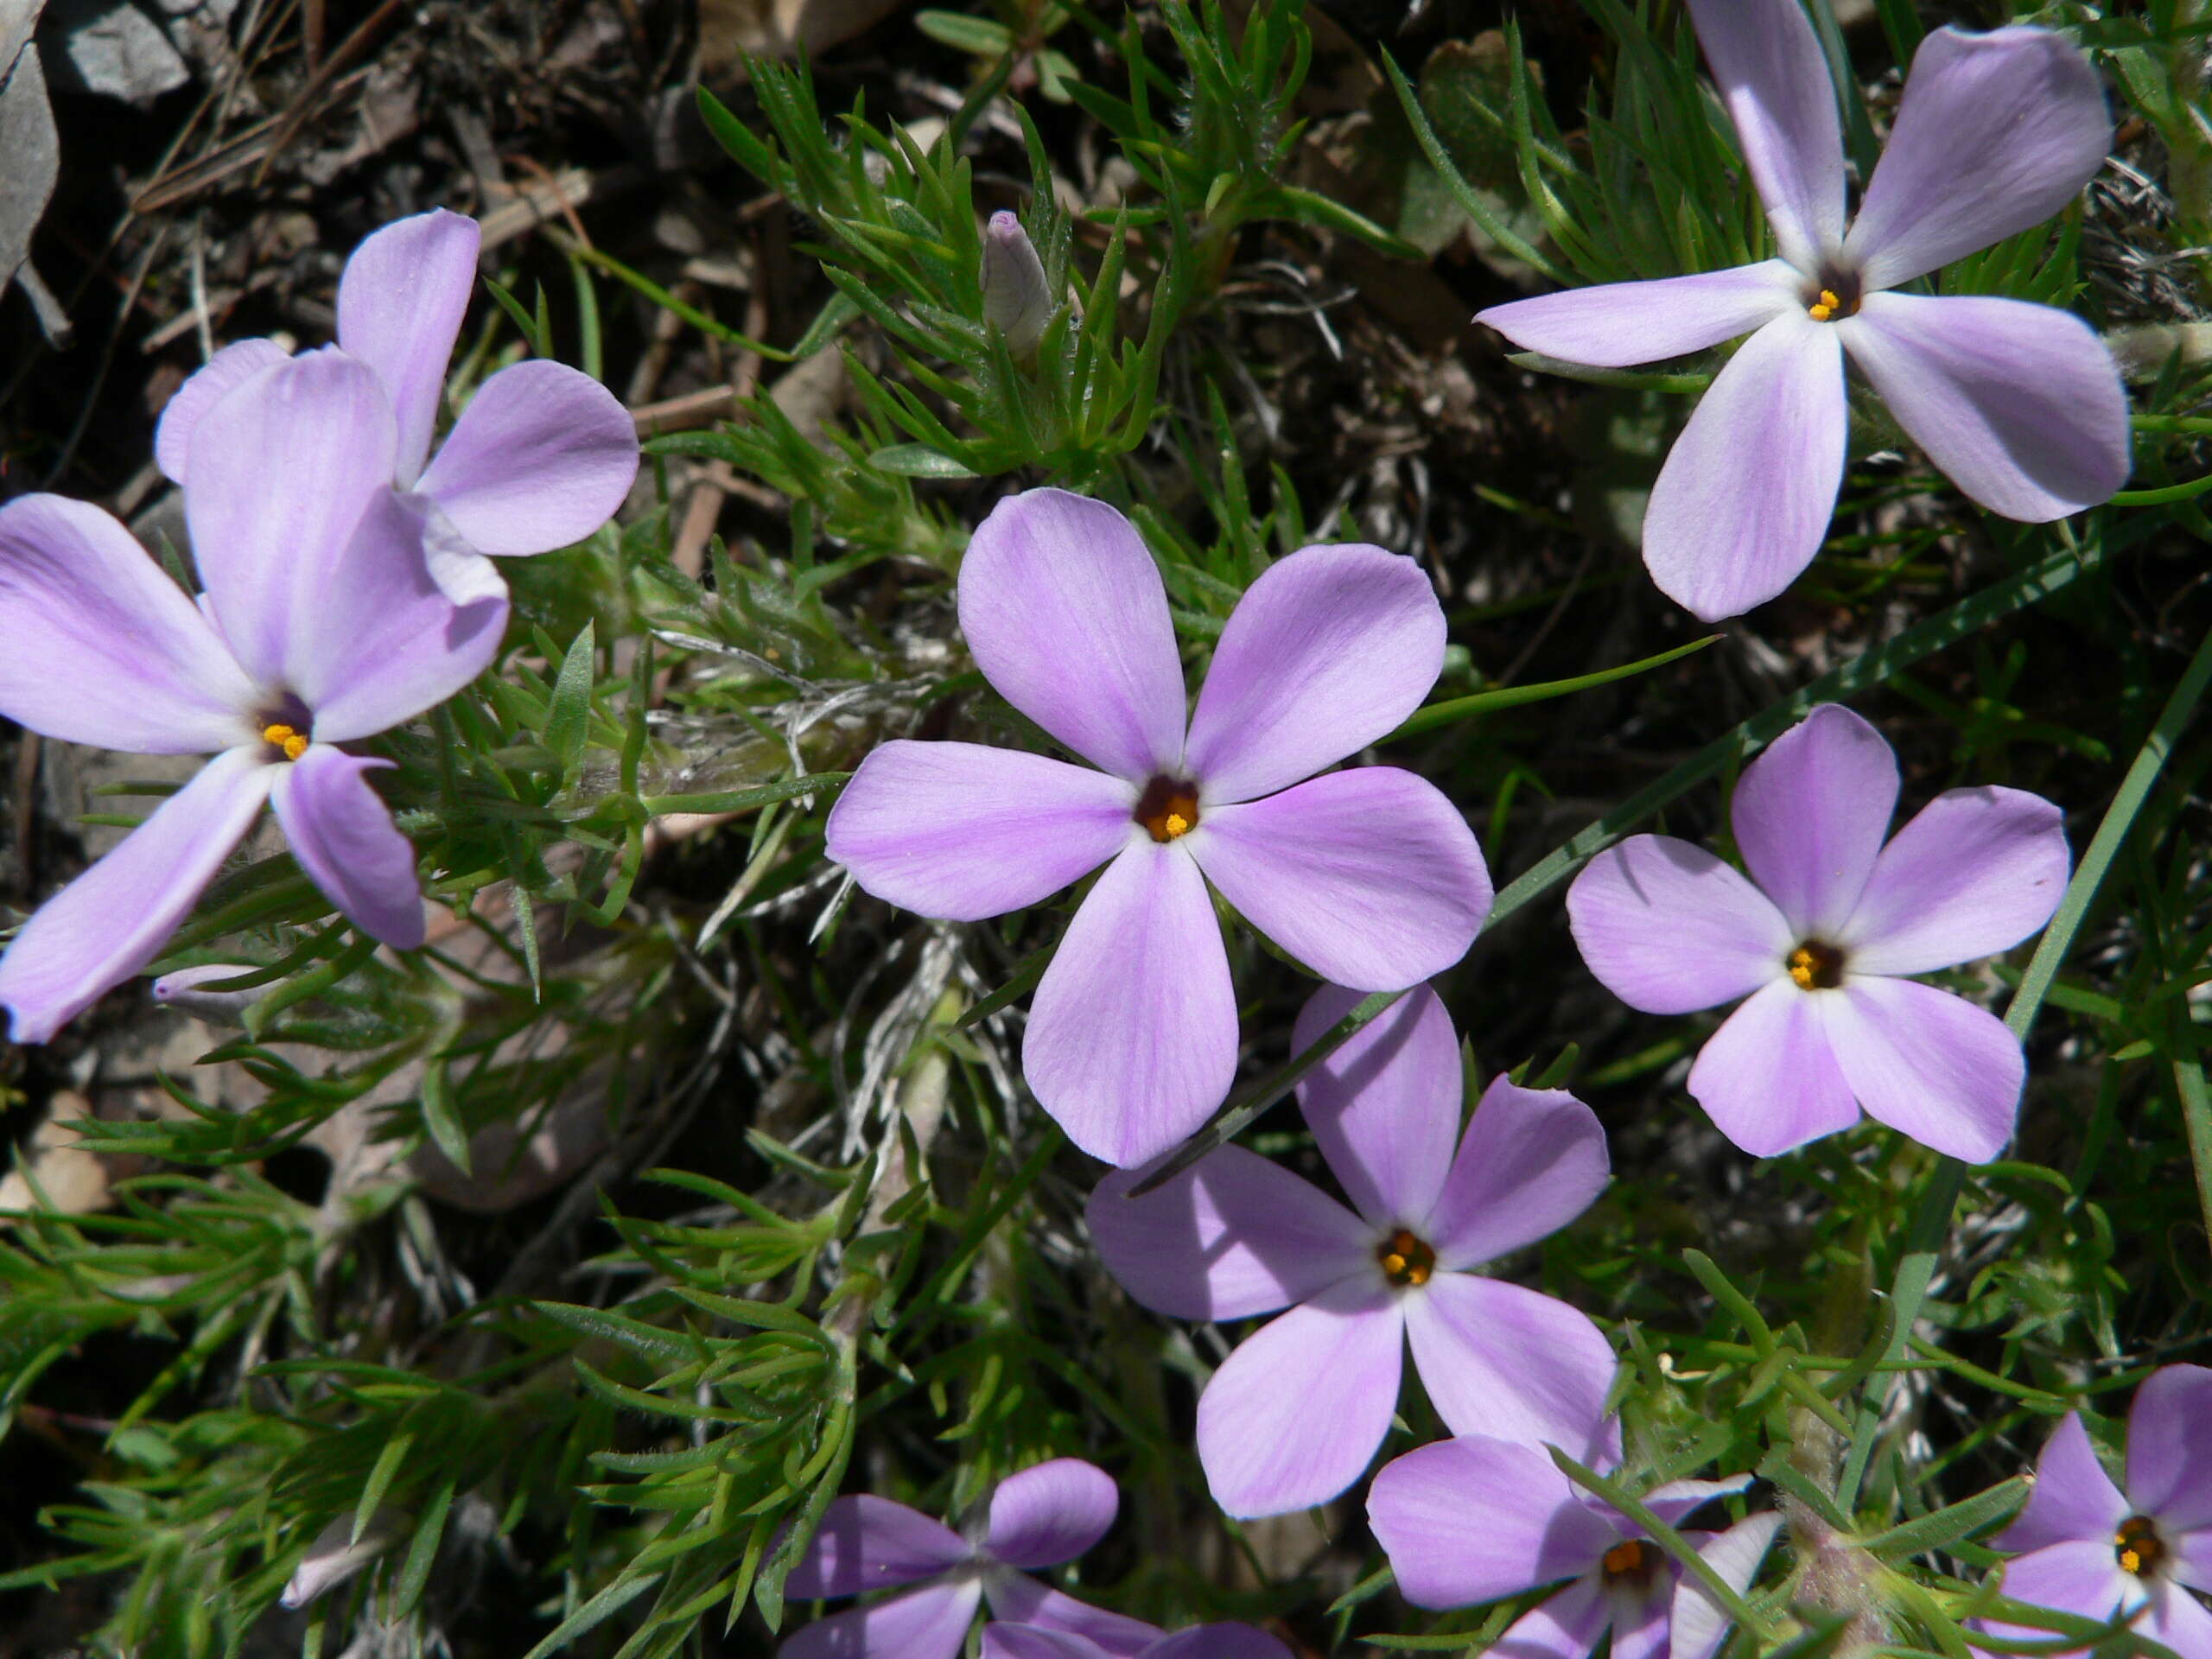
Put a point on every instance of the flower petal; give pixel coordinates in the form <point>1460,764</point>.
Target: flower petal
<point>1513,1363</point>
<point>400,305</point>
<point>342,834</point>
<point>123,659</point>
<point>114,918</point>
<point>1295,1415</point>
<point>1809,816</point>
<point>1066,615</point>
<point>1219,1642</point>
<point>867,1543</point>
<point>2019,404</point>
<point>1328,651</point>
<point>1231,1236</point>
<point>1532,1160</point>
<point>1617,325</point>
<point>2073,1499</point>
<point>281,471</point>
<point>1018,1600</point>
<point>1746,493</point>
<point>1474,1519</point>
<point>930,1623</point>
<point>1929,1064</point>
<point>1678,1498</point>
<point>1003,1641</point>
<point>1670,929</point>
<point>380,640</point>
<point>542,457</point>
<point>1697,1622</point>
<point>1996,133</point>
<point>1639,1610</point>
<point>1132,1037</point>
<point>1369,877</point>
<point>2080,1577</point>
<point>1769,1079</point>
<point>2178,1620</point>
<point>1975,871</point>
<point>1384,1109</point>
<point>228,369</point>
<point>2169,1447</point>
<point>1566,1626</point>
<point>961,831</point>
<point>1774,79</point>
<point>1051,1513</point>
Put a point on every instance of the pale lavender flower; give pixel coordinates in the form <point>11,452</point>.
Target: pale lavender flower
<point>1821,943</point>
<point>1478,1519</point>
<point>1199,1642</point>
<point>542,456</point>
<point>1038,1518</point>
<point>319,624</point>
<point>1369,877</point>
<point>2092,1549</point>
<point>1015,300</point>
<point>2019,404</point>
<point>1294,1415</point>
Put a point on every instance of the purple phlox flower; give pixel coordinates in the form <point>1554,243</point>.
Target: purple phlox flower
<point>1038,1518</point>
<point>2019,404</point>
<point>1369,877</point>
<point>542,456</point>
<point>1478,1519</point>
<point>1820,936</point>
<point>1294,1415</point>
<point>2090,1549</point>
<point>1199,1642</point>
<point>319,624</point>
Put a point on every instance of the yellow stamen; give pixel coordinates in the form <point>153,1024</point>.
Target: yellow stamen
<point>1801,968</point>
<point>2138,1547</point>
<point>1169,808</point>
<point>285,738</point>
<point>1175,825</point>
<point>1816,966</point>
<point>1406,1259</point>
<point>1624,1557</point>
<point>1829,305</point>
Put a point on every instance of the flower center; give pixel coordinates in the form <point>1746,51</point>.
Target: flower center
<point>1406,1259</point>
<point>1169,808</point>
<point>1628,1557</point>
<point>1816,966</point>
<point>1837,293</point>
<point>2138,1547</point>
<point>288,738</point>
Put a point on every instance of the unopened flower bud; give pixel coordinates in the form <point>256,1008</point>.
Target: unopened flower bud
<point>335,1555</point>
<point>1015,301</point>
<point>180,990</point>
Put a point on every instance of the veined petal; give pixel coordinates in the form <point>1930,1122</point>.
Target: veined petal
<point>1132,1036</point>
<point>1231,1236</point>
<point>1975,871</point>
<point>928,1623</point>
<point>2073,1499</point>
<point>1218,1641</point>
<point>2019,404</point>
<point>342,834</point>
<point>1370,876</point>
<point>1295,1415</point>
<point>1746,493</point>
<point>282,472</point>
<point>1565,1626</point>
<point>961,831</point>
<point>1618,325</point>
<point>105,650</point>
<point>1677,1499</point>
<point>1384,1109</point>
<point>1051,1513</point>
<point>1929,1064</point>
<point>1774,80</point>
<point>114,918</point>
<point>2178,1620</point>
<point>542,457</point>
<point>1996,132</point>
<point>1698,1622</point>
<point>1670,929</point>
<point>1328,650</point>
<point>400,305</point>
<point>1004,1641</point>
<point>1768,1078</point>
<point>2082,1578</point>
<point>1020,1600</point>
<point>1532,1160</point>
<point>1475,1519</point>
<point>1810,813</point>
<point>1513,1363</point>
<point>228,369</point>
<point>867,1543</point>
<point>2169,1447</point>
<point>1066,615</point>
<point>1639,1609</point>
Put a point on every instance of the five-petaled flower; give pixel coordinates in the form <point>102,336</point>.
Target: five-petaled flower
<point>2019,404</point>
<point>1478,1519</point>
<point>320,623</point>
<point>542,456</point>
<point>1293,1416</point>
<point>1369,877</point>
<point>1039,1518</point>
<point>2092,1549</point>
<point>1200,1641</point>
<point>1820,944</point>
